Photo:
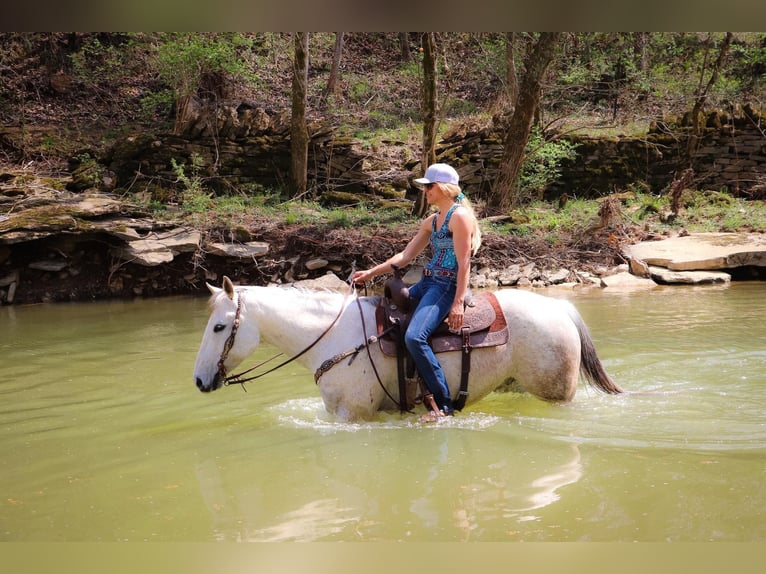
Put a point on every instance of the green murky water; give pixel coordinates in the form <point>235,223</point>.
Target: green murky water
<point>104,437</point>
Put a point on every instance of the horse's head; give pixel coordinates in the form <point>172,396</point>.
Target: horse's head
<point>230,337</point>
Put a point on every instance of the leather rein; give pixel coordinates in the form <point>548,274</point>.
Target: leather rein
<point>239,378</point>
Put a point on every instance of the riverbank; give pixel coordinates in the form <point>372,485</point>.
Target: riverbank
<point>58,245</point>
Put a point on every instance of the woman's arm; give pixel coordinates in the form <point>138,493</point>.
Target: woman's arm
<point>461,225</point>
<point>412,250</point>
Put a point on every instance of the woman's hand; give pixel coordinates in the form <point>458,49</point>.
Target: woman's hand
<point>455,318</point>
<point>360,277</point>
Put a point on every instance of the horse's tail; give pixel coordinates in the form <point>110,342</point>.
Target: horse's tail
<point>590,365</point>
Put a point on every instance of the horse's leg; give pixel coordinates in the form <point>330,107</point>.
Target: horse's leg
<point>551,374</point>
<point>351,395</point>
<point>545,355</point>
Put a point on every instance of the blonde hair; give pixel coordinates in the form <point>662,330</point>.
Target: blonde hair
<point>453,190</point>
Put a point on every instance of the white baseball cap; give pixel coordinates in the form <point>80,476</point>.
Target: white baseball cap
<point>439,173</point>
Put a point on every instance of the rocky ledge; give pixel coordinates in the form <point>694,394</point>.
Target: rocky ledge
<point>56,245</point>
<point>695,258</point>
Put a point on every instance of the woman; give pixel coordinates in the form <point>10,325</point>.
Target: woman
<point>454,235</point>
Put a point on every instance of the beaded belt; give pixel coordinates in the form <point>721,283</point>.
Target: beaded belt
<point>438,273</point>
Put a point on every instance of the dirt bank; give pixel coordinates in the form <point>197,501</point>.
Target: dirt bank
<point>66,267</point>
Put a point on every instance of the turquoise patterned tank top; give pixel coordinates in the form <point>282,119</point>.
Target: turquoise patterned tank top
<point>442,246</point>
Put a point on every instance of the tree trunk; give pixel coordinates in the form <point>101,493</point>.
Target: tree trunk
<point>404,45</point>
<point>640,41</point>
<point>332,82</point>
<point>702,93</point>
<point>183,102</point>
<point>511,79</point>
<point>429,111</point>
<point>299,143</point>
<point>504,195</point>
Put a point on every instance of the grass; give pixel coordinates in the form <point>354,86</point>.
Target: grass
<point>701,211</point>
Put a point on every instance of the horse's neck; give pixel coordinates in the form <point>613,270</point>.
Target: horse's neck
<point>292,319</point>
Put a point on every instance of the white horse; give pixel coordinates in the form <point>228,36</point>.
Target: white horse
<point>548,347</point>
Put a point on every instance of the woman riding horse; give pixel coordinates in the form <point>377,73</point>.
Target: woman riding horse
<point>453,233</point>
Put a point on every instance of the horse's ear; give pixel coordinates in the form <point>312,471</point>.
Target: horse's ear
<point>213,289</point>
<point>228,286</point>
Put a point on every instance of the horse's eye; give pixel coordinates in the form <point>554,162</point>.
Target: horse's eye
<point>218,328</point>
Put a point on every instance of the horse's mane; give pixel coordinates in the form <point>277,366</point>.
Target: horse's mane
<point>330,298</point>
<point>321,297</point>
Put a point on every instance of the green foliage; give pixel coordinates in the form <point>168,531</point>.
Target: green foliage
<point>349,217</point>
<point>359,90</point>
<point>707,210</point>
<point>194,197</point>
<point>541,217</point>
<point>542,164</point>
<point>413,69</point>
<point>650,204</point>
<point>99,65</point>
<point>183,59</point>
<point>159,103</point>
<point>629,74</point>
<point>88,174</point>
<point>490,54</point>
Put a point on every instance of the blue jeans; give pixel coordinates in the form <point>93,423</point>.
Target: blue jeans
<point>433,298</point>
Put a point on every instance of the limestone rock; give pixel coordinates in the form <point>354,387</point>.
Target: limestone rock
<point>556,277</point>
<point>143,252</point>
<point>48,265</point>
<point>316,263</point>
<point>11,280</point>
<point>159,249</point>
<point>662,275</point>
<point>626,281</point>
<point>328,282</point>
<point>510,275</point>
<point>702,251</point>
<point>639,268</point>
<point>240,250</point>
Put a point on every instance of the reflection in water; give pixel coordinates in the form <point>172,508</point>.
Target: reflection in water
<point>549,484</point>
<point>236,514</point>
<point>233,513</point>
<point>449,489</point>
<point>315,520</point>
<point>500,493</point>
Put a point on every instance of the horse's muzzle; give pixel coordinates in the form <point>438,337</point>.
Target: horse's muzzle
<point>215,384</point>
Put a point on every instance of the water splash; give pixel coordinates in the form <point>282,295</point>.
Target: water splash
<point>309,413</point>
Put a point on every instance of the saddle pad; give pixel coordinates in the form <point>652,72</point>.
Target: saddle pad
<point>485,320</point>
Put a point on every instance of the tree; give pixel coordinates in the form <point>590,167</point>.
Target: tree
<point>520,123</point>
<point>332,82</point>
<point>702,91</point>
<point>428,155</point>
<point>511,79</point>
<point>299,135</point>
<point>200,68</point>
<point>404,47</point>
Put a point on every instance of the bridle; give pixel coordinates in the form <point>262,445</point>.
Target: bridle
<point>239,378</point>
<point>229,343</point>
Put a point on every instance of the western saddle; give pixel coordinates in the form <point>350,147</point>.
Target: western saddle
<point>484,325</point>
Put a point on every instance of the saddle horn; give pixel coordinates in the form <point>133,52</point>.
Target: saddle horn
<point>397,291</point>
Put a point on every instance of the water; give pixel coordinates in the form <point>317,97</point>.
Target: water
<point>104,437</point>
